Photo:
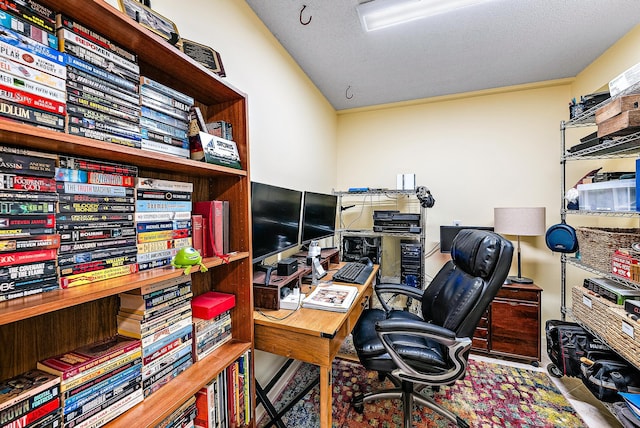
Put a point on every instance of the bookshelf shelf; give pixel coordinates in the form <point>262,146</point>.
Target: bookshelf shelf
<point>40,326</point>
<point>38,304</point>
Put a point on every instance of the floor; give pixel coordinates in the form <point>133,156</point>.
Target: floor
<point>591,410</point>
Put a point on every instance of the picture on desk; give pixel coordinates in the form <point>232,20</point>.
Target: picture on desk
<point>334,297</point>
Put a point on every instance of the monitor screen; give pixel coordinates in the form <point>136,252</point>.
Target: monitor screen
<point>275,213</point>
<point>318,216</point>
<point>448,233</point>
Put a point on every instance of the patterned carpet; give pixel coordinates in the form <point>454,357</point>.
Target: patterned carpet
<point>490,396</point>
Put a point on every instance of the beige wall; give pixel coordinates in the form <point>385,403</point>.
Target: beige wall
<point>474,152</point>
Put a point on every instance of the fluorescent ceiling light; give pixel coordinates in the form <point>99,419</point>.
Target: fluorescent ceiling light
<point>378,14</point>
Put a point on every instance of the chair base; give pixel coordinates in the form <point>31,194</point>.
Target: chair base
<point>408,395</point>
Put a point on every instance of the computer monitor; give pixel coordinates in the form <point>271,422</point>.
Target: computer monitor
<point>275,213</point>
<point>318,216</point>
<point>448,234</point>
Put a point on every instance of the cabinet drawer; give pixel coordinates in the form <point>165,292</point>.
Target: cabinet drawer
<point>522,295</point>
<point>480,344</point>
<point>484,322</point>
<point>481,333</point>
<point>515,328</point>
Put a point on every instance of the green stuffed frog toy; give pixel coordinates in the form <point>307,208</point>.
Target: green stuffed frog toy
<point>186,258</point>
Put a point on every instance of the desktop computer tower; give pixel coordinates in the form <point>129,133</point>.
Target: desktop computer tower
<point>411,263</point>
<point>356,247</point>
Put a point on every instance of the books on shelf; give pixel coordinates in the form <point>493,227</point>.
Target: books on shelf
<point>211,322</point>
<point>159,315</point>
<point>215,215</point>
<point>97,381</point>
<point>28,397</point>
<point>333,297</point>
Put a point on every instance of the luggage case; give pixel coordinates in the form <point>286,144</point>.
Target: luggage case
<point>567,342</point>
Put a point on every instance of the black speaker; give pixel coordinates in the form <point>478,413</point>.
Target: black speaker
<point>287,266</point>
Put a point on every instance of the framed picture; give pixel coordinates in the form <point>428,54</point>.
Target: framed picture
<point>204,55</point>
<point>150,19</point>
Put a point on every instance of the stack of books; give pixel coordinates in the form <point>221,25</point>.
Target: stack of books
<point>28,238</point>
<point>95,220</point>
<point>160,316</point>
<point>32,80</point>
<point>163,220</point>
<point>30,399</point>
<point>211,322</point>
<point>102,85</point>
<point>98,382</point>
<point>215,227</point>
<point>164,118</point>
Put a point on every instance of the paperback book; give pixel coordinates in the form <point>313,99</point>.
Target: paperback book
<point>333,297</point>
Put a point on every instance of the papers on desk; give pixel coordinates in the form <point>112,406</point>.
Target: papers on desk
<point>334,297</point>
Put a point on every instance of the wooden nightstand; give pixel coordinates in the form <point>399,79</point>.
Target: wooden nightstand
<point>511,326</point>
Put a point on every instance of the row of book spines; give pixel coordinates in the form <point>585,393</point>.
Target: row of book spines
<point>226,400</point>
<point>117,362</point>
<point>77,33</point>
<point>48,20</point>
<point>74,35</point>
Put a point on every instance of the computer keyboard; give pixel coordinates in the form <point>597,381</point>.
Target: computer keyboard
<point>353,272</point>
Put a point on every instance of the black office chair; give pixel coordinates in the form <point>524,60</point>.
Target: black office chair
<point>415,352</point>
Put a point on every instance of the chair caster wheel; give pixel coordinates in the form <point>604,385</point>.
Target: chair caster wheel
<point>358,403</point>
<point>554,370</point>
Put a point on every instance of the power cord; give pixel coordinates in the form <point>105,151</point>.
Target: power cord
<point>273,318</point>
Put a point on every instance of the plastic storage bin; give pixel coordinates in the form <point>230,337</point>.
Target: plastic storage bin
<point>614,195</point>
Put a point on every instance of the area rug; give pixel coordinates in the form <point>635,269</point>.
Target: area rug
<point>490,396</point>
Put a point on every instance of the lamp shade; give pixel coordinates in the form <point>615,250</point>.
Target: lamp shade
<point>520,221</point>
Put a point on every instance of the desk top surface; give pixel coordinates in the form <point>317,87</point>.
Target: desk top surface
<point>312,321</point>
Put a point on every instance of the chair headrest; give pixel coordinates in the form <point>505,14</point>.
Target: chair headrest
<point>476,251</point>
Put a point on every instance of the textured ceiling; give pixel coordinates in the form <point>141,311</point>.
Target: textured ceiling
<point>499,43</point>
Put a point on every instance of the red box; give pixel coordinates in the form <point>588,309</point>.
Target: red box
<point>211,304</point>
<point>621,264</point>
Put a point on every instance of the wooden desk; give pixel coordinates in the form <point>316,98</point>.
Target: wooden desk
<point>313,336</point>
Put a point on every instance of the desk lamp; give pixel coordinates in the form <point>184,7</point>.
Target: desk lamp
<point>520,222</point>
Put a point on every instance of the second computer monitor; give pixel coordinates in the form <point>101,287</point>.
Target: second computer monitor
<point>318,216</point>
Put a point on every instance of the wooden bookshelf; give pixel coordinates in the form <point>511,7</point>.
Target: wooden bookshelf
<point>40,326</point>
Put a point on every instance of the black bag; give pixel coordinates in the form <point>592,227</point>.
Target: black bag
<point>606,377</point>
<point>561,238</point>
<point>567,342</point>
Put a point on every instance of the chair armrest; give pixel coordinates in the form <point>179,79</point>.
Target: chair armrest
<point>419,328</point>
<point>457,349</point>
<point>402,289</point>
